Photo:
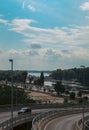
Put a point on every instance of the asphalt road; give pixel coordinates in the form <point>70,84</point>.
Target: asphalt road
<point>63,123</point>
<point>7,115</point>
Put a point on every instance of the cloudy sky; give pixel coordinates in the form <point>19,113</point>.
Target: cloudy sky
<point>44,34</point>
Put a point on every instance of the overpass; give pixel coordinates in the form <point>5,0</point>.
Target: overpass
<point>39,119</point>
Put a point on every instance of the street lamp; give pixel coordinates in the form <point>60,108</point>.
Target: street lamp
<point>11,60</point>
<point>83,128</point>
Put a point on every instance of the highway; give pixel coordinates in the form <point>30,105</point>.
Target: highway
<point>63,123</point>
<point>7,115</point>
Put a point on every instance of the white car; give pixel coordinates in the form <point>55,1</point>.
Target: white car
<point>24,110</point>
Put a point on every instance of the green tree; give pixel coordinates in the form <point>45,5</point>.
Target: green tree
<point>30,78</point>
<point>72,96</point>
<point>80,75</point>
<point>79,94</point>
<point>42,79</point>
<point>59,88</point>
<point>85,99</point>
<point>18,76</point>
<point>65,100</point>
<point>5,95</point>
<point>58,74</point>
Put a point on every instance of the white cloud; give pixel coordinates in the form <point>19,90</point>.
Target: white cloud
<point>35,35</point>
<point>3,21</point>
<point>15,52</point>
<point>20,24</point>
<point>44,58</point>
<point>32,8</point>
<point>85,6</point>
<point>48,36</point>
<point>59,44</point>
<point>36,6</point>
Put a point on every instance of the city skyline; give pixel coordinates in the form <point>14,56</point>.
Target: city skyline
<point>44,34</point>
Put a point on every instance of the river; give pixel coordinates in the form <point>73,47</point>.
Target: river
<point>49,83</point>
<point>37,74</point>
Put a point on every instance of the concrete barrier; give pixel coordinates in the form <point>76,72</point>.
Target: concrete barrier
<point>43,118</point>
<point>39,119</point>
<point>6,125</point>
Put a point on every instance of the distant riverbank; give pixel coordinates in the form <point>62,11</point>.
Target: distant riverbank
<point>37,74</point>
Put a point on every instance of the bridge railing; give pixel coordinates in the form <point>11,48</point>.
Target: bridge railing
<point>86,125</point>
<point>40,120</point>
<point>18,120</point>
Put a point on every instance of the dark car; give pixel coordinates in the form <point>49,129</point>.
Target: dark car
<point>24,110</point>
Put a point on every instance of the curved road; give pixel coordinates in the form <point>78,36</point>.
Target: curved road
<point>7,115</point>
<point>63,123</point>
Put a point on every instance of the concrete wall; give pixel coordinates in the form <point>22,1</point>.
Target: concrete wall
<point>25,126</point>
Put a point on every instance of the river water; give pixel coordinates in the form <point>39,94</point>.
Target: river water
<point>49,83</point>
<point>37,74</point>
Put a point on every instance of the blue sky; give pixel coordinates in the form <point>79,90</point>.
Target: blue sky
<point>44,34</point>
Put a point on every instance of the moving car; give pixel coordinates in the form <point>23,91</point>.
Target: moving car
<point>24,110</point>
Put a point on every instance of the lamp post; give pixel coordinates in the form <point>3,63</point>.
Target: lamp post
<point>83,128</point>
<point>11,60</point>
<point>16,96</point>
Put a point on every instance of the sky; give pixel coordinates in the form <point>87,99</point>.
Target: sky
<point>44,34</point>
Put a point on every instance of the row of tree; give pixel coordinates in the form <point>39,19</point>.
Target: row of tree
<point>18,76</point>
<point>38,81</point>
<point>76,74</point>
<point>71,96</point>
<point>19,95</point>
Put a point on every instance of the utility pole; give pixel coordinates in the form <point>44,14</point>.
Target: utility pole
<point>11,60</point>
<point>83,128</point>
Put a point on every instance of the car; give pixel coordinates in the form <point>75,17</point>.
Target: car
<point>24,110</point>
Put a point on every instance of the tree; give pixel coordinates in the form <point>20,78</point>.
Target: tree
<point>65,100</point>
<point>80,75</point>
<point>79,94</point>
<point>59,88</point>
<point>58,74</point>
<point>42,79</point>
<point>72,96</point>
<point>85,99</point>
<point>30,78</point>
<point>18,76</point>
<point>5,95</point>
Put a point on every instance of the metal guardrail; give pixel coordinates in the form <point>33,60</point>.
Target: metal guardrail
<point>6,125</point>
<point>79,123</point>
<point>40,120</point>
<point>86,125</point>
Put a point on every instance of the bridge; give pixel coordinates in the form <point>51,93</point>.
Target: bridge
<point>39,119</point>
